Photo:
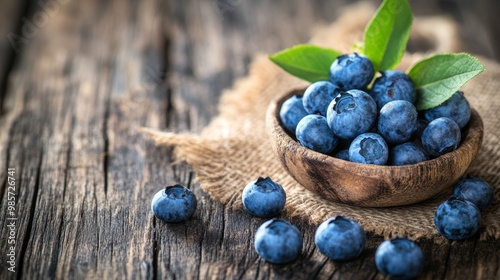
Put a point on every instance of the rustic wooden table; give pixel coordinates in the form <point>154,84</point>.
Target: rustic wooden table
<point>77,81</point>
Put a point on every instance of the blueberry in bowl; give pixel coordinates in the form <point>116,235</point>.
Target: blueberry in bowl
<point>351,113</point>
<point>370,185</point>
<point>393,85</point>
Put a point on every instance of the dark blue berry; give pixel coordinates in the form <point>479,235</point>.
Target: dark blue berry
<point>174,204</point>
<point>397,121</point>
<point>343,154</point>
<point>441,136</point>
<point>277,241</point>
<point>291,112</point>
<point>399,258</point>
<point>474,190</point>
<point>318,96</point>
<point>264,198</point>
<point>351,71</point>
<point>393,85</point>
<point>456,108</point>
<point>351,113</point>
<point>369,148</point>
<point>407,153</point>
<point>314,133</point>
<point>340,238</point>
<point>457,218</point>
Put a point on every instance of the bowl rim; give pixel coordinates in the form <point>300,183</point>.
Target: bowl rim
<point>472,131</point>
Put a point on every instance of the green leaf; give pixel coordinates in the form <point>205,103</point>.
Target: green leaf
<point>387,34</point>
<point>436,78</point>
<point>308,62</point>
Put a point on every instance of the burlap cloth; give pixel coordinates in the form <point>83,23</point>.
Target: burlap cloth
<point>234,148</point>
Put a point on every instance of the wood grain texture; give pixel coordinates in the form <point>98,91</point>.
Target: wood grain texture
<point>76,96</point>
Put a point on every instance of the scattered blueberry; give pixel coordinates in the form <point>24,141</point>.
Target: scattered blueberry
<point>351,113</point>
<point>441,136</point>
<point>340,238</point>
<point>397,121</point>
<point>474,190</point>
<point>314,133</point>
<point>264,198</point>
<point>407,153</point>
<point>351,71</point>
<point>393,85</point>
<point>318,95</point>
<point>343,154</point>
<point>456,108</point>
<point>277,241</point>
<point>399,258</point>
<point>369,148</point>
<point>291,112</point>
<point>457,218</point>
<point>174,204</point>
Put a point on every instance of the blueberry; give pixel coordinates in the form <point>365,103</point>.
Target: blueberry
<point>407,153</point>
<point>399,258</point>
<point>441,136</point>
<point>421,125</point>
<point>263,198</point>
<point>457,218</point>
<point>351,113</point>
<point>369,148</point>
<point>456,108</point>
<point>291,112</point>
<point>340,238</point>
<point>318,96</point>
<point>351,71</point>
<point>393,85</point>
<point>277,241</point>
<point>343,154</point>
<point>474,190</point>
<point>314,133</point>
<point>174,204</point>
<point>397,121</point>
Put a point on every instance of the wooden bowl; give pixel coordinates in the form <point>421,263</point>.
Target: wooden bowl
<point>371,185</point>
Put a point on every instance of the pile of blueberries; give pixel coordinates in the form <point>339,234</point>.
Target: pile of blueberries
<point>342,118</point>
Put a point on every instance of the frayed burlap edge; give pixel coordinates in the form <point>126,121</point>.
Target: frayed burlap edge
<point>234,149</point>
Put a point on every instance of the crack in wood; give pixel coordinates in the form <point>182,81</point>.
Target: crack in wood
<point>27,237</point>
<point>69,150</point>
<point>105,163</point>
<point>223,230</point>
<point>447,258</point>
<point>156,249</point>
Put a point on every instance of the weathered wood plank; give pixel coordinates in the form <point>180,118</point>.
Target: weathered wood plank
<point>84,92</point>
